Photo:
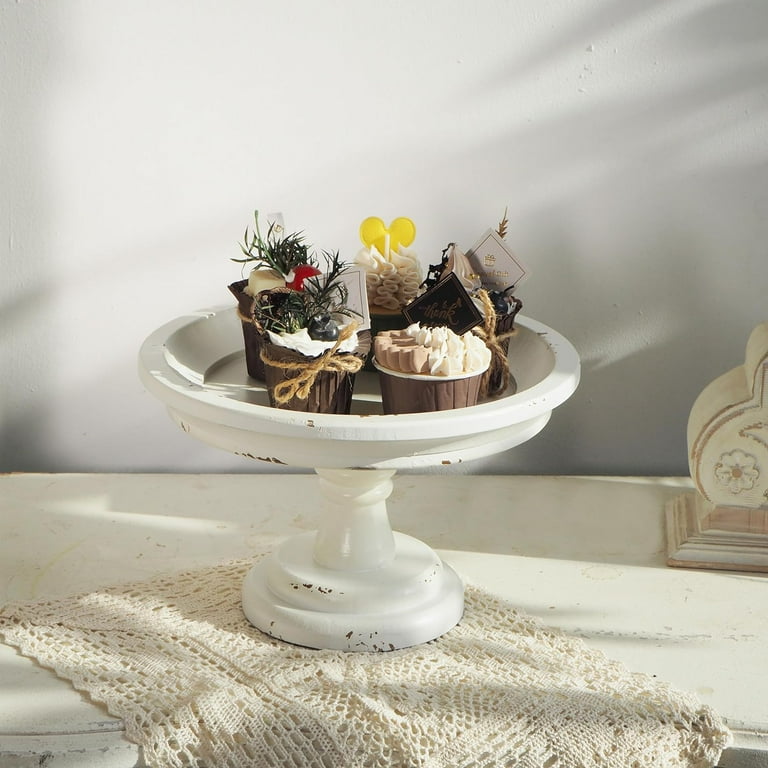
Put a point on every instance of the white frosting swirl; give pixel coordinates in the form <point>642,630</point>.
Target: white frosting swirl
<point>391,283</point>
<point>449,353</point>
<point>302,343</point>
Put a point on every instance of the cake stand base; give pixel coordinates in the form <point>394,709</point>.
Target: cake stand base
<point>353,585</point>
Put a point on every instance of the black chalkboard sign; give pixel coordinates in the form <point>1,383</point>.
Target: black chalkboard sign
<point>445,303</point>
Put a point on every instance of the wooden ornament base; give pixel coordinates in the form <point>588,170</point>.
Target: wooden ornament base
<point>701,535</point>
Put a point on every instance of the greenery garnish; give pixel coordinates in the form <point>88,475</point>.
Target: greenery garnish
<point>275,251</point>
<point>327,293</point>
<point>288,311</point>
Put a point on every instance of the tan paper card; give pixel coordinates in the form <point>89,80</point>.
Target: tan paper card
<point>357,299</point>
<point>496,265</point>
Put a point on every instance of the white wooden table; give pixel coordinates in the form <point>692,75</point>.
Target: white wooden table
<point>585,554</point>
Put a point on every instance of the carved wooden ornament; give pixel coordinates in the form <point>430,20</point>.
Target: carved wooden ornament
<point>725,524</point>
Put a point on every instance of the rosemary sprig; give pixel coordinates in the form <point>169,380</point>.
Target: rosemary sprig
<point>327,293</point>
<point>281,311</point>
<point>288,311</point>
<point>279,253</point>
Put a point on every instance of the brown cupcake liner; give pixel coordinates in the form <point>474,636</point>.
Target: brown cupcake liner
<point>401,394</point>
<point>253,337</point>
<point>331,391</point>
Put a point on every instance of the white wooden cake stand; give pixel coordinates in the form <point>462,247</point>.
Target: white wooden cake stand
<point>353,584</point>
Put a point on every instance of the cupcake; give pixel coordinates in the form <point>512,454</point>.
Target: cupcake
<point>424,369</point>
<point>393,273</point>
<point>278,261</point>
<point>310,347</point>
<point>498,308</point>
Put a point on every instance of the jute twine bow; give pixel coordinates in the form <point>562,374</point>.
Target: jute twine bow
<point>487,332</point>
<point>300,386</point>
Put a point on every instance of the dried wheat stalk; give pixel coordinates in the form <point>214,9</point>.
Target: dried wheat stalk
<point>502,230</point>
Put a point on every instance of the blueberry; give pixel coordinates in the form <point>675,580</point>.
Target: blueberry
<point>322,328</point>
<point>499,301</point>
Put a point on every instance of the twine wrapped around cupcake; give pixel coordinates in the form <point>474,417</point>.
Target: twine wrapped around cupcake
<point>327,377</point>
<point>497,378</point>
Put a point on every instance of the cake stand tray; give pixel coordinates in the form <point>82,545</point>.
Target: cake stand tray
<point>354,584</point>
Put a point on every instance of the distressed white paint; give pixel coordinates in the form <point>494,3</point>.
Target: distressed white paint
<point>628,140</point>
<point>569,550</point>
<point>352,586</point>
<point>195,366</point>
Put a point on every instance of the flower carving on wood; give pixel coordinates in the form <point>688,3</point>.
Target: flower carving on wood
<point>737,471</point>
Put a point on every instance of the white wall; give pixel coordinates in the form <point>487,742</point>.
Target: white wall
<point>628,138</point>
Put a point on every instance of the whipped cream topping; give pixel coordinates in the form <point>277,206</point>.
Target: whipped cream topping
<point>435,351</point>
<point>302,343</point>
<point>392,282</point>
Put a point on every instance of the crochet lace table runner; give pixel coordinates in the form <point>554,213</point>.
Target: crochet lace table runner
<point>196,685</point>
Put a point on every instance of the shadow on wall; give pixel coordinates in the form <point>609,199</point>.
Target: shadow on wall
<point>665,186</point>
<point>26,254</point>
<point>637,178</point>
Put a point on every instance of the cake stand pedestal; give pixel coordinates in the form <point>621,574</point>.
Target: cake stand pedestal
<point>354,584</point>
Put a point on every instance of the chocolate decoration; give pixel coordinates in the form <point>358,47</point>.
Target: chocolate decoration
<point>434,271</point>
<point>446,303</point>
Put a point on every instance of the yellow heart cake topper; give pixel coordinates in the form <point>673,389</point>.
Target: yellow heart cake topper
<point>401,231</point>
